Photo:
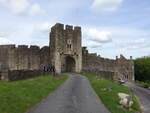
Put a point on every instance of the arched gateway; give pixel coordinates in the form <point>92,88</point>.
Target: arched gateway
<point>65,48</point>
<point>70,64</point>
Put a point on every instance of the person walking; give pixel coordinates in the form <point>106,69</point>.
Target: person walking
<point>53,70</point>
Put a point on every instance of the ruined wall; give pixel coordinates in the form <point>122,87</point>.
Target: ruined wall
<point>4,55</point>
<point>4,63</point>
<point>23,58</point>
<point>65,41</point>
<point>45,59</point>
<point>125,67</point>
<point>121,67</point>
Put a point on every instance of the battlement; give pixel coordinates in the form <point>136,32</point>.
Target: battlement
<point>34,47</point>
<point>95,56</point>
<point>22,46</point>
<point>8,46</point>
<point>58,26</point>
<point>45,47</point>
<point>69,28</point>
<point>77,28</point>
<point>62,27</point>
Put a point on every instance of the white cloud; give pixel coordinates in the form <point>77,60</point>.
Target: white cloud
<point>105,5</point>
<point>35,9</point>
<point>3,39</point>
<point>91,44</point>
<point>29,34</point>
<point>2,34</point>
<point>21,6</point>
<point>127,41</point>
<point>99,36</point>
<point>140,43</point>
<point>42,27</point>
<point>141,40</point>
<point>95,38</point>
<point>63,7</point>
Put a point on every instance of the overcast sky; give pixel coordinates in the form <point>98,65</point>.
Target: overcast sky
<point>109,27</point>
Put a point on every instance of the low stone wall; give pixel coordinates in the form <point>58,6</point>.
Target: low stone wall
<point>104,74</point>
<point>4,75</point>
<point>24,74</point>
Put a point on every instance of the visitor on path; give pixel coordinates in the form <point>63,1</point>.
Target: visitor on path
<point>53,70</point>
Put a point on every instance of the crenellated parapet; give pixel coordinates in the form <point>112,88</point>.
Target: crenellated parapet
<point>23,47</point>
<point>96,64</point>
<point>65,40</point>
<point>65,53</point>
<point>24,57</point>
<point>62,27</point>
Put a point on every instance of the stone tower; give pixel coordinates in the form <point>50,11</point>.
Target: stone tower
<point>65,48</point>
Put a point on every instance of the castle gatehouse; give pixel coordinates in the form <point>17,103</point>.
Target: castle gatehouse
<point>65,53</point>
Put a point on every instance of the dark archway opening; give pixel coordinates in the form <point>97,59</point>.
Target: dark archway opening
<point>70,64</point>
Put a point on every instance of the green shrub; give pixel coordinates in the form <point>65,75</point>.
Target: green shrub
<point>143,84</point>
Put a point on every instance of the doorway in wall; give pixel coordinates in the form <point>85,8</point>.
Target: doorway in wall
<point>70,64</point>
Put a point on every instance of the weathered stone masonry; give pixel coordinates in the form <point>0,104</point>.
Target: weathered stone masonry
<point>14,58</point>
<point>65,46</point>
<point>65,53</point>
<point>108,68</point>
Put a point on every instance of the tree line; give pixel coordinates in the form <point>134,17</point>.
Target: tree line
<point>142,69</point>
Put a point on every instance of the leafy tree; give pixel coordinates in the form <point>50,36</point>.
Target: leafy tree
<point>142,69</point>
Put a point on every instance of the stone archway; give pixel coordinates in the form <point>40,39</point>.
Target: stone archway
<point>70,64</point>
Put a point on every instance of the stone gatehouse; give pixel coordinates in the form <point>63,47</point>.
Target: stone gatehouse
<point>65,48</point>
<point>65,53</point>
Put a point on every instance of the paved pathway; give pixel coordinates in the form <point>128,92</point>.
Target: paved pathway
<point>143,95</point>
<point>74,96</point>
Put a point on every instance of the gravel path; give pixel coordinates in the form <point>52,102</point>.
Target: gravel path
<point>143,95</point>
<point>74,96</point>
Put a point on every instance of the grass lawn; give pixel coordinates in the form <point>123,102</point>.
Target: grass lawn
<point>110,99</point>
<point>18,96</point>
<point>143,84</point>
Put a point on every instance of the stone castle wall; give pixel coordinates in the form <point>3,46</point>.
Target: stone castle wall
<point>112,69</point>
<point>23,58</point>
<point>65,42</point>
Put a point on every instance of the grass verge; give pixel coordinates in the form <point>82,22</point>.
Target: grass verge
<point>143,84</point>
<point>18,96</point>
<point>110,99</point>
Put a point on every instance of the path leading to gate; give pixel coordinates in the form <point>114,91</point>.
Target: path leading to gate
<point>74,96</point>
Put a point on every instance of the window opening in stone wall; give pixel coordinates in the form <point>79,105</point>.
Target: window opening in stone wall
<point>69,46</point>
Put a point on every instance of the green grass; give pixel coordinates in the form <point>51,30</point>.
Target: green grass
<point>18,96</point>
<point>143,84</point>
<point>110,99</point>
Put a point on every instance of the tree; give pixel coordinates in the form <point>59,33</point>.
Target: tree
<point>142,69</point>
